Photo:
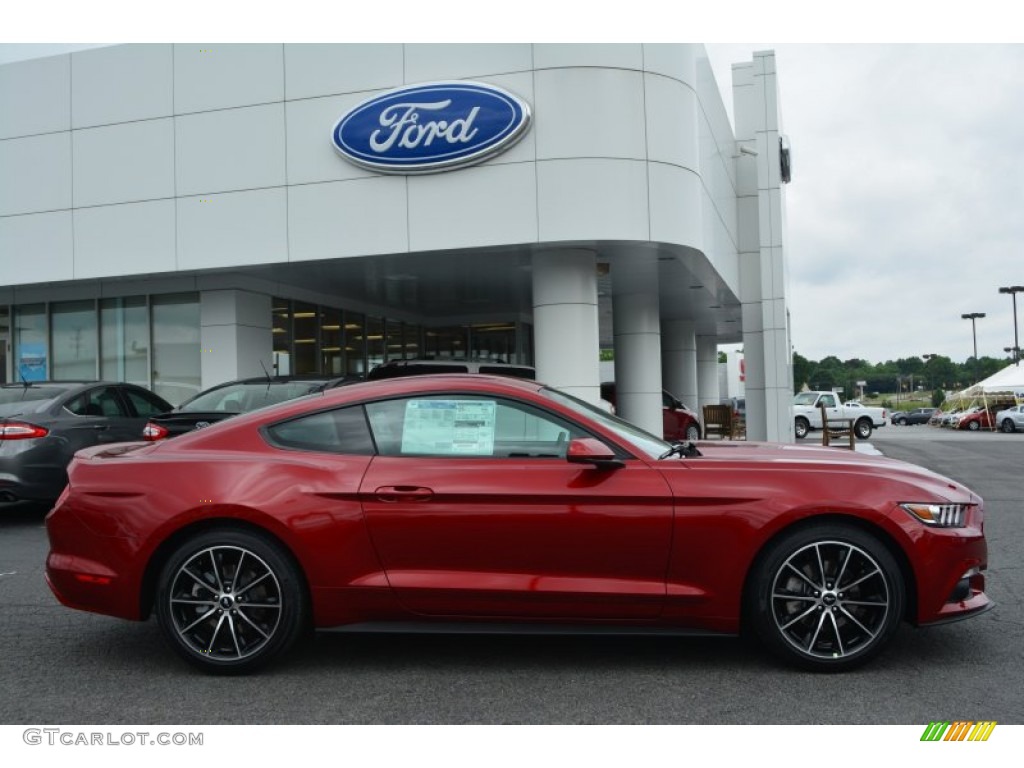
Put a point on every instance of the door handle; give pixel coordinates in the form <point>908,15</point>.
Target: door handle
<point>395,493</point>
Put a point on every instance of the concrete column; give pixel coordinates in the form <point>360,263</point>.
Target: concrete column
<point>637,331</point>
<point>679,360</point>
<point>707,372</point>
<point>235,334</point>
<point>565,334</point>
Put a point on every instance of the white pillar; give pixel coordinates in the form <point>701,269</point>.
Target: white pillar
<point>637,330</point>
<point>679,360</point>
<point>707,372</point>
<point>565,334</point>
<point>235,334</point>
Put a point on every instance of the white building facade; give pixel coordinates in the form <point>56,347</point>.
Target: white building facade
<point>180,215</point>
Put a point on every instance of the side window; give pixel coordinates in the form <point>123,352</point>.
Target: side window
<point>144,403</point>
<point>466,425</point>
<point>829,401</point>
<point>97,402</point>
<point>340,431</point>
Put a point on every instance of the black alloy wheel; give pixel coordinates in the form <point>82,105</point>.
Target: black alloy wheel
<point>229,601</point>
<point>826,598</point>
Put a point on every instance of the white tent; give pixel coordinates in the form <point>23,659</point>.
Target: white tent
<point>1005,385</point>
<point>1008,381</point>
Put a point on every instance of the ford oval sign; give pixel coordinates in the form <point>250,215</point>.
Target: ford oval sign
<point>431,127</point>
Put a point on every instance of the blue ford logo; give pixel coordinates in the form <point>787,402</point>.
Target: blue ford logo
<point>431,127</point>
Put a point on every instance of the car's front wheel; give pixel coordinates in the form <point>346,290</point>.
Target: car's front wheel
<point>230,600</point>
<point>902,422</point>
<point>1008,426</point>
<point>693,433</point>
<point>826,598</point>
<point>801,427</point>
<point>974,426</point>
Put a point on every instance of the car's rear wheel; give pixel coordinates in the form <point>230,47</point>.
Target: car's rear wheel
<point>902,422</point>
<point>826,598</point>
<point>863,429</point>
<point>1009,426</point>
<point>974,426</point>
<point>693,433</point>
<point>801,427</point>
<point>230,600</point>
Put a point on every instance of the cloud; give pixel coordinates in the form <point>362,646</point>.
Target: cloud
<point>905,206</point>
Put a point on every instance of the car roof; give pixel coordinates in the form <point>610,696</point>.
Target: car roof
<point>360,391</point>
<point>76,384</point>
<point>436,382</point>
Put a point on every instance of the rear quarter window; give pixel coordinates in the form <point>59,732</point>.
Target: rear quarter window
<point>342,431</point>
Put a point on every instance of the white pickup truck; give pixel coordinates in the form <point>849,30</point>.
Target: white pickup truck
<point>807,414</point>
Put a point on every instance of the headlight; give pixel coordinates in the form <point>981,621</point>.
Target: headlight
<point>939,515</point>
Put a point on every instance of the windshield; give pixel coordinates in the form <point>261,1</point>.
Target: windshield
<point>652,446</point>
<point>805,398</point>
<point>242,398</point>
<point>19,399</point>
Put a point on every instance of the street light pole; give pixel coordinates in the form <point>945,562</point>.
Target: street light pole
<point>1013,290</point>
<point>974,333</point>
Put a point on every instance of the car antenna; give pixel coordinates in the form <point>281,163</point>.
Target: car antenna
<point>266,373</point>
<point>24,382</point>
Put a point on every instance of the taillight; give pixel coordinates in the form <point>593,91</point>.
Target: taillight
<point>153,432</point>
<point>20,430</point>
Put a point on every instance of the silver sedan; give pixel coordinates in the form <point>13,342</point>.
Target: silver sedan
<point>1011,419</point>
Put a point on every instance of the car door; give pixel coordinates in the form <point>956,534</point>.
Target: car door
<point>100,417</point>
<point>832,410</point>
<point>474,511</point>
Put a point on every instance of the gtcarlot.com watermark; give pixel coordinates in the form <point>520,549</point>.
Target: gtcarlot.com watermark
<point>53,737</point>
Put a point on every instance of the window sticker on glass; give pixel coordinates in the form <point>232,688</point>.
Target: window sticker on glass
<point>449,427</point>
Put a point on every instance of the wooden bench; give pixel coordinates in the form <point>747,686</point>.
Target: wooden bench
<point>718,420</point>
<point>833,428</point>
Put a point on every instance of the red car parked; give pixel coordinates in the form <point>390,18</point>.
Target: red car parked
<point>975,419</point>
<point>677,421</point>
<point>460,500</point>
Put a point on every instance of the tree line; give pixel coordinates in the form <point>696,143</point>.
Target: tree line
<point>906,375</point>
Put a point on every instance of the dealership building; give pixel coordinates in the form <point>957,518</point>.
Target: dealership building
<point>182,215</point>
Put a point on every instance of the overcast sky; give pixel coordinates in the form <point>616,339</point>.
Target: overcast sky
<point>908,159</point>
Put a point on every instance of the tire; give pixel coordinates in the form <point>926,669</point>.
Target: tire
<point>1009,426</point>
<point>802,614</point>
<point>902,422</point>
<point>974,426</point>
<point>801,427</point>
<point>209,623</point>
<point>692,433</point>
<point>863,428</point>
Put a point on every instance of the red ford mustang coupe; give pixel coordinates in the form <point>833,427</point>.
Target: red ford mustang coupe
<point>482,503</point>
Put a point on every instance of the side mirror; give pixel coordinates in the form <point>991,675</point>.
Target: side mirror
<point>588,450</point>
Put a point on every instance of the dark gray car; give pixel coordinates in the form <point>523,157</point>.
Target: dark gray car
<point>916,416</point>
<point>43,423</point>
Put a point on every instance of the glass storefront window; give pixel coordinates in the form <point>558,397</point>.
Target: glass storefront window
<point>494,342</point>
<point>411,334</point>
<point>446,343</point>
<point>395,348</point>
<point>374,341</point>
<point>281,330</point>
<point>124,340</point>
<point>332,350</point>
<point>355,344</point>
<point>31,351</point>
<point>306,328</point>
<point>73,334</point>
<point>176,347</point>
<point>5,338</point>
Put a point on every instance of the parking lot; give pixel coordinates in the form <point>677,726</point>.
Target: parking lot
<point>61,666</point>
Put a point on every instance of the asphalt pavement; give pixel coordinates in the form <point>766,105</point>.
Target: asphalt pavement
<point>61,666</point>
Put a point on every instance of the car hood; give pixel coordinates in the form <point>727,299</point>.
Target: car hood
<point>783,457</point>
